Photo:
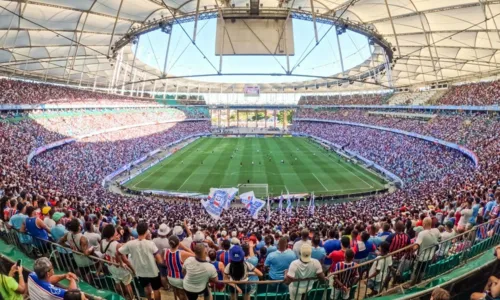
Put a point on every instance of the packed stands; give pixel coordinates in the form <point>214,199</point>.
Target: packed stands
<point>444,196</point>
<point>482,93</point>
<point>354,99</point>
<point>24,92</point>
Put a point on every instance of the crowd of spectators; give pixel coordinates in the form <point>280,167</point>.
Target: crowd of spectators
<point>25,92</point>
<point>444,195</point>
<point>482,93</point>
<point>354,99</point>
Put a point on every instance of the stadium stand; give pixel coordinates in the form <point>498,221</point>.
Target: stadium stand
<point>354,99</point>
<point>24,92</point>
<point>482,93</point>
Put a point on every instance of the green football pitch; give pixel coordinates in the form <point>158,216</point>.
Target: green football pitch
<point>226,162</point>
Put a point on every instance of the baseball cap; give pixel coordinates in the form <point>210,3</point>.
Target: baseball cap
<point>163,230</point>
<point>198,237</point>
<point>57,216</point>
<point>236,254</point>
<point>223,233</point>
<point>235,241</point>
<point>45,210</point>
<point>305,252</point>
<point>178,230</point>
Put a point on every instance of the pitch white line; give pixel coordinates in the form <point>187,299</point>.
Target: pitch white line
<point>179,189</point>
<point>320,182</point>
<point>135,185</point>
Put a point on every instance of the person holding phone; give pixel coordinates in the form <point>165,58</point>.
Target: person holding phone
<point>12,286</point>
<point>41,282</point>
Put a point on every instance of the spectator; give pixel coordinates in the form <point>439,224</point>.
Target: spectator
<point>10,287</point>
<point>339,255</point>
<point>41,281</point>
<point>379,270</point>
<point>36,228</point>
<point>239,270</point>
<point>426,244</point>
<point>144,258</point>
<point>304,239</point>
<point>345,276</point>
<point>318,252</point>
<point>279,261</point>
<point>198,272</point>
<point>174,262</point>
<point>440,294</point>
<point>219,267</point>
<point>302,268</point>
<point>119,266</point>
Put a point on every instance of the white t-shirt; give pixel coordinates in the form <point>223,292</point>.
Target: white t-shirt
<point>197,274</point>
<point>49,222</point>
<point>142,256</point>
<point>381,265</point>
<point>187,242</point>
<point>93,238</point>
<point>162,244</point>
<point>425,240</point>
<point>297,245</point>
<point>299,270</point>
<point>466,214</point>
<point>248,268</point>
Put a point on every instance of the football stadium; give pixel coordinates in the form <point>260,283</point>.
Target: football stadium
<point>260,150</point>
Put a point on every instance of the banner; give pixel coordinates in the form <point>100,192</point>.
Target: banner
<point>288,205</point>
<point>253,204</point>
<point>217,200</point>
<point>231,193</point>
<point>280,205</point>
<point>311,204</point>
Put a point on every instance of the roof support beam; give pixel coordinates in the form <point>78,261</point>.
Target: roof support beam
<point>114,26</point>
<point>196,20</point>
<point>313,12</point>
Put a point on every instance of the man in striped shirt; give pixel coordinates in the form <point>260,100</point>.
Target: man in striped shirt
<point>397,240</point>
<point>346,275</point>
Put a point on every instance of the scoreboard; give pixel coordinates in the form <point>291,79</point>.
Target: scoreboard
<point>251,91</point>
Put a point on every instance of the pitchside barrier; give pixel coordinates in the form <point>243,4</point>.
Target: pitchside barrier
<point>411,265</point>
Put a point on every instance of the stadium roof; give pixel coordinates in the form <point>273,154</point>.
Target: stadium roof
<point>70,41</point>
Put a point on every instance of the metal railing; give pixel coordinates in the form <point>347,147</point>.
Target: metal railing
<point>405,267</point>
<point>92,269</point>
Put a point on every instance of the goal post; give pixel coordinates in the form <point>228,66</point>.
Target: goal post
<point>260,190</point>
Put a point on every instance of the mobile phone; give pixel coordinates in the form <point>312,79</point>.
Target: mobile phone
<point>18,263</point>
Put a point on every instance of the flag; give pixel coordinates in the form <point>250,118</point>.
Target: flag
<point>280,205</point>
<point>230,192</point>
<point>190,208</point>
<point>251,203</point>
<point>288,205</point>
<point>217,200</point>
<point>298,204</point>
<point>268,210</point>
<point>311,204</point>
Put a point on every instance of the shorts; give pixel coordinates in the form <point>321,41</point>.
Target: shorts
<point>374,285</point>
<point>155,282</point>
<point>194,296</point>
<point>176,282</point>
<point>340,294</point>
<point>163,270</point>
<point>245,288</point>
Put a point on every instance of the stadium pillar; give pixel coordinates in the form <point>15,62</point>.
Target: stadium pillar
<point>219,121</point>
<point>133,62</point>
<point>176,92</point>
<point>188,96</point>
<point>198,97</point>
<point>124,78</point>
<point>143,86</point>
<point>120,62</point>
<point>314,21</point>
<point>196,20</point>
<point>247,117</point>
<point>154,90</point>
<point>133,81</point>
<point>95,78</point>
<point>340,50</point>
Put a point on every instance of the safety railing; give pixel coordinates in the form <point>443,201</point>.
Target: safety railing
<point>403,268</point>
<point>385,274</point>
<point>92,269</point>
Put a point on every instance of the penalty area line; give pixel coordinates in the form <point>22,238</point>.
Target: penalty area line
<point>320,182</point>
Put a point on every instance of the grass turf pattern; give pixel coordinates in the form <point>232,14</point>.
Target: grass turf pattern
<point>307,167</point>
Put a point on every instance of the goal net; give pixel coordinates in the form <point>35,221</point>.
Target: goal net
<point>260,190</point>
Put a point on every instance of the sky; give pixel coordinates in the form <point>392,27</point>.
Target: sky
<point>185,59</point>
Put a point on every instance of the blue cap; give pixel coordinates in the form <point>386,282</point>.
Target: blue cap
<point>236,254</point>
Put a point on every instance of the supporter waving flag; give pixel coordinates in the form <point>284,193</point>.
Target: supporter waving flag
<point>288,205</point>
<point>311,204</point>
<point>298,204</point>
<point>217,200</point>
<point>280,205</point>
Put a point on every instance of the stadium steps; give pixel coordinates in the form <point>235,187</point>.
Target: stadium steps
<point>12,254</point>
